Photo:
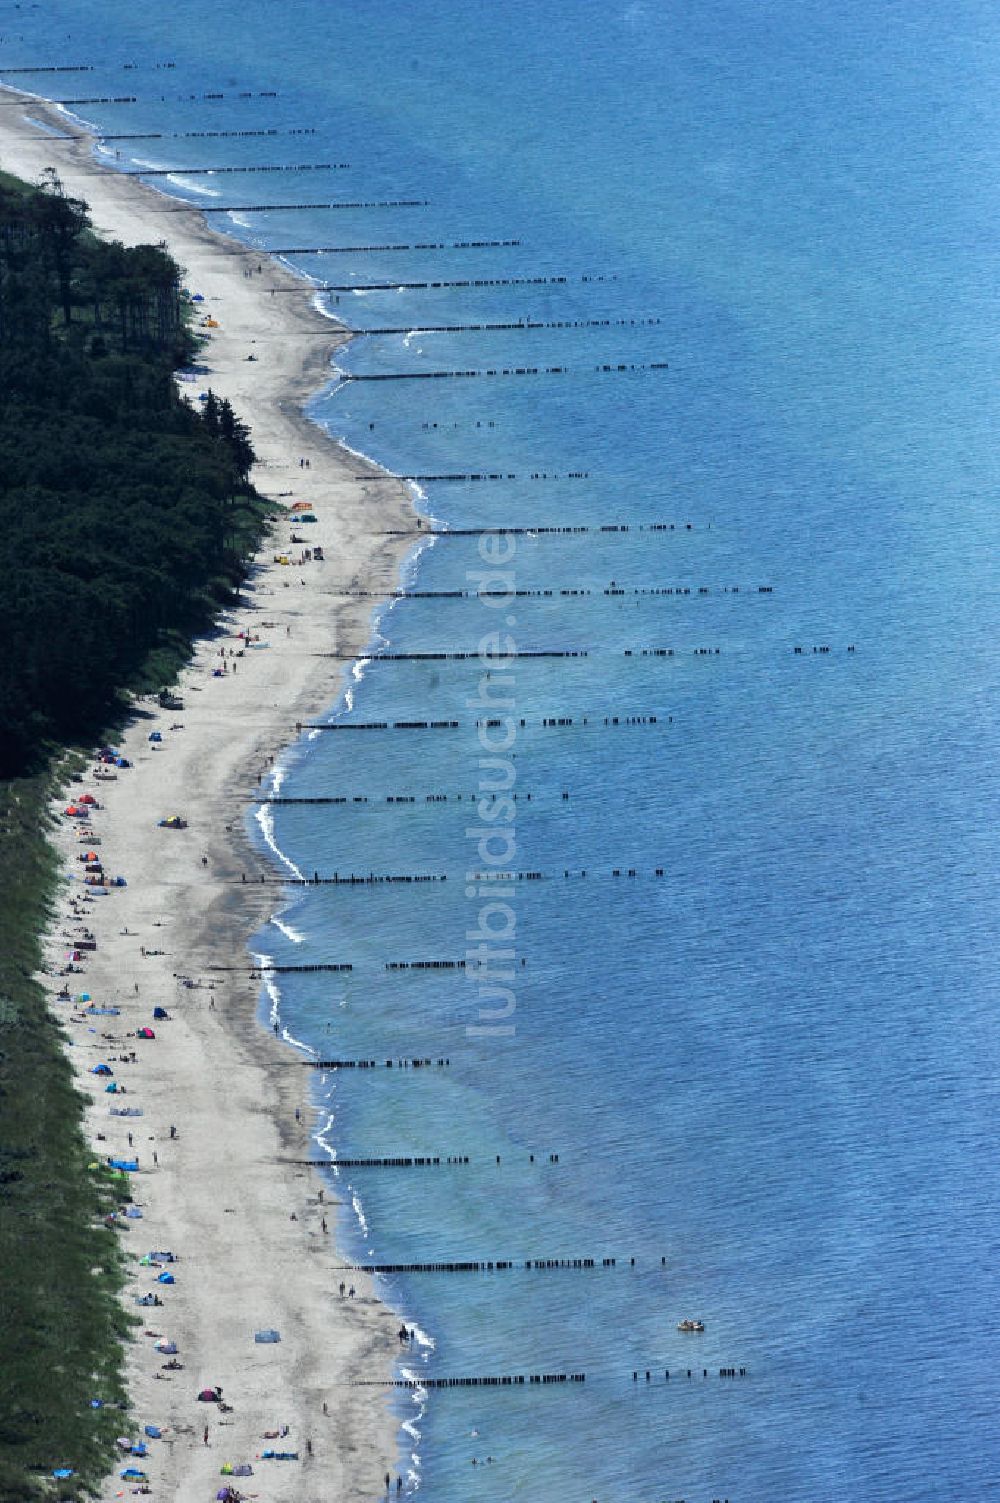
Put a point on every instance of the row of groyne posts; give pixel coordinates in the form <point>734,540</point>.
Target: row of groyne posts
<point>521,1380</point>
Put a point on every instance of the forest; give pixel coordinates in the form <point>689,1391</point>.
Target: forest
<point>126,518</point>
<point>126,515</point>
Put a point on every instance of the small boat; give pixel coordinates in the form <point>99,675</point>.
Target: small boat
<point>690,1325</point>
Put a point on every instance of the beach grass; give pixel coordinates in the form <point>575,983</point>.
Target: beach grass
<point>61,1324</point>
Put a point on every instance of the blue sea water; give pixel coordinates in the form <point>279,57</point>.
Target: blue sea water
<point>770,1072</point>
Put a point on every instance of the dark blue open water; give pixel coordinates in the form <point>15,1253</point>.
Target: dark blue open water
<point>775,1064</point>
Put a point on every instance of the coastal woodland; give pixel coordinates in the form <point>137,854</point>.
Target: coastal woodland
<point>124,511</point>
<point>126,518</point>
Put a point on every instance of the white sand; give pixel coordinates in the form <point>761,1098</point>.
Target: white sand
<point>246,1227</point>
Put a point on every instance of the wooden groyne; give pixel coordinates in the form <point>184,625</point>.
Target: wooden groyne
<point>621,368</point>
<point>400,1161</point>
<point>610,592</point>
<point>217,171</point>
<point>520,325</point>
<point>466,656</point>
<point>441,657</point>
<point>134,99</point>
<point>254,972</point>
<point>185,135</point>
<point>374,203</point>
<point>357,250</point>
<point>471,476</point>
<point>54,68</point>
<point>518,1380</point>
<point>406,1162</point>
<point>513,1381</point>
<point>495,1265</point>
<point>388,798</point>
<point>477,282</point>
<point>544,722</point>
<point>377,1064</point>
<point>569,529</point>
<point>85,68</point>
<point>481,878</point>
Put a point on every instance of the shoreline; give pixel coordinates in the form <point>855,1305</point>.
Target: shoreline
<point>217,1195</point>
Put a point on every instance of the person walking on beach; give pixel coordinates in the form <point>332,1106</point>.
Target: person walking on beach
<point>205,1436</point>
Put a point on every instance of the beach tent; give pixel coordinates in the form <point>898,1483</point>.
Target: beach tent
<point>160,1012</point>
<point>197,297</point>
<point>306,517</point>
<point>63,1471</point>
<point>168,1348</point>
<point>133,1213</point>
<point>87,798</point>
<point>153,1431</point>
<point>145,1033</point>
<point>140,1449</point>
<point>154,736</point>
<point>208,1396</point>
<point>132,1474</point>
<point>301,506</point>
<point>109,1090</point>
<point>166,1278</point>
<point>173,822</point>
<point>266,1337</point>
<point>126,1165</point>
<point>101,1070</point>
<point>164,1257</point>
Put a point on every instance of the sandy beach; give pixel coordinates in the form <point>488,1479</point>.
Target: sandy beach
<point>255,1243</point>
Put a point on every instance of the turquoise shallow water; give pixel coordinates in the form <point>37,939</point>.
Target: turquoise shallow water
<point>773,1065</point>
